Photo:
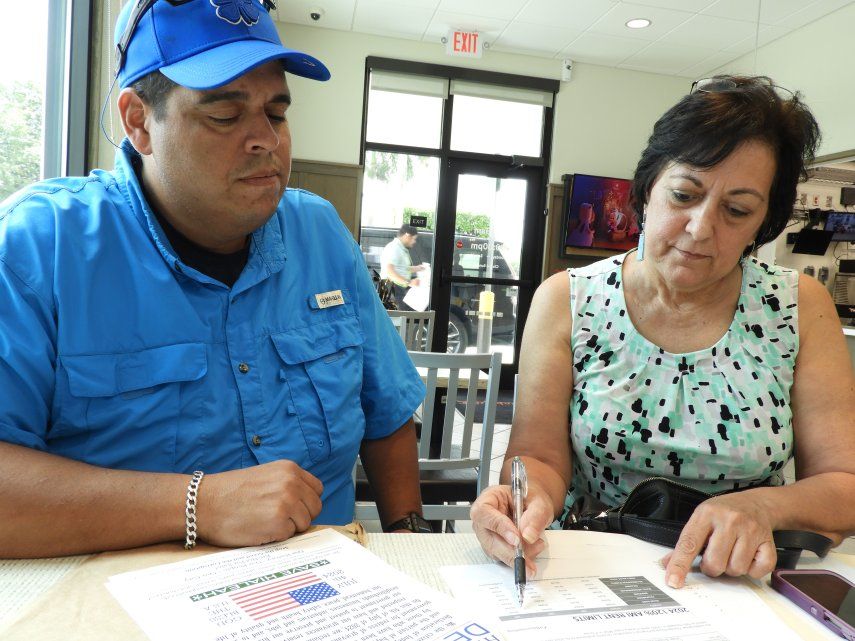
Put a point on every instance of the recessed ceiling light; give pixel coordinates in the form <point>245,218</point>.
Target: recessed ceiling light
<point>638,23</point>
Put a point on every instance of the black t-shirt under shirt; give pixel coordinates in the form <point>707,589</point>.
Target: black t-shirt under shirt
<point>225,268</point>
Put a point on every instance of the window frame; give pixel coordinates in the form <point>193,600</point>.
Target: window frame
<point>444,152</point>
<point>67,84</point>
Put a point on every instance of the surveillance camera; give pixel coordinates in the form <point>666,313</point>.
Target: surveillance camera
<point>316,14</point>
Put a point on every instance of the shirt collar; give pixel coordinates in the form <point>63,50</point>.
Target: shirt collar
<point>268,246</point>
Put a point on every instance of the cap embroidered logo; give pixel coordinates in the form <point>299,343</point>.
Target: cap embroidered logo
<point>237,11</point>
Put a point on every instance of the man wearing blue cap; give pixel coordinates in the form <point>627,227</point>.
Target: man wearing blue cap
<point>187,349</point>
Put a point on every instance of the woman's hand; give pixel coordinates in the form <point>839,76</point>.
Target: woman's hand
<point>493,522</point>
<point>737,533</point>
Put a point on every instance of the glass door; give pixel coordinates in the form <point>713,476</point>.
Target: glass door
<point>487,257</point>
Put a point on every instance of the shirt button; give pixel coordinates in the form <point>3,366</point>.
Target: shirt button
<point>256,440</point>
<point>243,368</point>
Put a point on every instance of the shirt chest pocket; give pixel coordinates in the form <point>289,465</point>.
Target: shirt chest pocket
<point>125,409</point>
<point>319,383</point>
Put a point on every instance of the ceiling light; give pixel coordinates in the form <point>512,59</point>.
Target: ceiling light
<point>638,23</point>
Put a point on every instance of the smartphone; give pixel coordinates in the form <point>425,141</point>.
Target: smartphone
<point>825,595</point>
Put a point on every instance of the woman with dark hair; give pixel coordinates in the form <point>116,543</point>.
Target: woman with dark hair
<point>688,358</point>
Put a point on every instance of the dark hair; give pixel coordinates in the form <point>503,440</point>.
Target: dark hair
<point>154,89</point>
<point>706,126</point>
<point>408,229</point>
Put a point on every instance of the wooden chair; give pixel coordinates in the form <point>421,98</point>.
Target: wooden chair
<point>453,474</point>
<point>415,328</point>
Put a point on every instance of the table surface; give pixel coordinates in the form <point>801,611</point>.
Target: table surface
<point>29,587</point>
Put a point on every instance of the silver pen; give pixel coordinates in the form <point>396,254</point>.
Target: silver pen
<point>519,489</point>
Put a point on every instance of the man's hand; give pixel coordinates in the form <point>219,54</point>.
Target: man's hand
<point>257,505</point>
<point>415,282</point>
<point>737,533</point>
<point>493,523</point>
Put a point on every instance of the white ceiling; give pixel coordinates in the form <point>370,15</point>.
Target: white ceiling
<point>686,38</point>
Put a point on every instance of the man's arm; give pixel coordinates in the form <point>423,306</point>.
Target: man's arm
<point>53,506</point>
<point>391,466</point>
<point>395,277</point>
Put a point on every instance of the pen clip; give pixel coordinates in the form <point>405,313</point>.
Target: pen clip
<point>519,480</point>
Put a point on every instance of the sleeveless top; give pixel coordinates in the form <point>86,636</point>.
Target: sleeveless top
<point>715,419</point>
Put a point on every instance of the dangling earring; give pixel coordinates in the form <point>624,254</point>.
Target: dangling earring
<point>750,251</point>
<point>640,254</point>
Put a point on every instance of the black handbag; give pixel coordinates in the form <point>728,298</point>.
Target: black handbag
<point>385,290</point>
<point>657,509</point>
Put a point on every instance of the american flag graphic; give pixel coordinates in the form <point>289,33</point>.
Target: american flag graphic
<point>284,594</point>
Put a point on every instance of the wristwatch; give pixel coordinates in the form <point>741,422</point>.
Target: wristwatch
<point>413,522</point>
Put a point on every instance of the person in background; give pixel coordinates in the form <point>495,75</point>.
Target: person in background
<point>186,314</point>
<point>689,359</point>
<point>396,264</point>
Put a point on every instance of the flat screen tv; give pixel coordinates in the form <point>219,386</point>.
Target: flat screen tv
<point>843,226</point>
<point>812,241</point>
<point>597,214</point>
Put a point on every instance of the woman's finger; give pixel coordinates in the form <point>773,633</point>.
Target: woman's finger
<point>765,559</point>
<point>741,556</point>
<point>689,545</point>
<point>718,550</point>
<point>536,518</point>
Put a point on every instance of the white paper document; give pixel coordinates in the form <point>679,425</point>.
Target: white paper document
<point>590,587</point>
<point>418,297</point>
<point>317,587</point>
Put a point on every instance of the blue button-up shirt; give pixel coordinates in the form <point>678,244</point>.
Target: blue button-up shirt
<point>114,352</point>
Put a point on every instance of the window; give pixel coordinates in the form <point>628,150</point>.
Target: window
<point>23,56</point>
<point>430,132</point>
<point>42,97</point>
<point>476,122</point>
<point>405,110</point>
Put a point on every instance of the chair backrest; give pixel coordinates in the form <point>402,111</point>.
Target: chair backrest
<point>452,376</point>
<point>415,328</point>
<point>460,375</point>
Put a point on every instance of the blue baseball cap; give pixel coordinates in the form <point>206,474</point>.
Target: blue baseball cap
<point>203,44</point>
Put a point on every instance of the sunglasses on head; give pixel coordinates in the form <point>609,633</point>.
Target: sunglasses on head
<point>136,15</point>
<point>723,85</point>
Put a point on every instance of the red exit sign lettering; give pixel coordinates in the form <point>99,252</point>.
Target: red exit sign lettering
<point>464,43</point>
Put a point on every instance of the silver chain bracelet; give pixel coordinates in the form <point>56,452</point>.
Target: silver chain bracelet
<point>190,509</point>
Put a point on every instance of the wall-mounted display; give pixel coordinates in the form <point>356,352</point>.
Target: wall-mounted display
<point>843,226</point>
<point>597,214</point>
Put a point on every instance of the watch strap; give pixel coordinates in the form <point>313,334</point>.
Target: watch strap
<point>414,522</point>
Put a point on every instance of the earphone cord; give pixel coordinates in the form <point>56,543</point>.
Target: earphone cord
<point>104,109</point>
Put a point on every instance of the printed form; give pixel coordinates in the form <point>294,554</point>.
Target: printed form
<point>320,586</point>
<point>609,586</point>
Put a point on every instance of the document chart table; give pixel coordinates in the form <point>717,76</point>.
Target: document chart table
<point>65,598</point>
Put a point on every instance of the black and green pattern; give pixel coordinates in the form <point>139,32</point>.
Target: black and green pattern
<point>714,419</point>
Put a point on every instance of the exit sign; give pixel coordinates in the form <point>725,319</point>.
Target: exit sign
<point>464,43</point>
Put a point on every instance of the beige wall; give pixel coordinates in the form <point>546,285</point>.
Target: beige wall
<point>593,131</point>
<point>602,117</point>
<point>101,152</point>
<point>811,61</point>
